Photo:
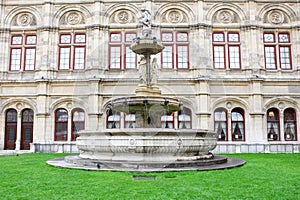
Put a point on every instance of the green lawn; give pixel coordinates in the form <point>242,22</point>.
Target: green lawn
<point>265,176</point>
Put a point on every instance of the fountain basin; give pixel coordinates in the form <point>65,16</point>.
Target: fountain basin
<point>149,46</point>
<point>146,145</point>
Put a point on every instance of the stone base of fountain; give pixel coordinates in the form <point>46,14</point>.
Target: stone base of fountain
<point>144,90</point>
<point>214,163</point>
<point>146,150</point>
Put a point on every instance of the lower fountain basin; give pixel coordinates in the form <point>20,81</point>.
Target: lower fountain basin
<point>146,144</point>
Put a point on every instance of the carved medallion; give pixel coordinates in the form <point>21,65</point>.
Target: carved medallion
<point>275,17</point>
<point>174,16</point>
<point>225,16</point>
<point>73,18</point>
<point>24,19</point>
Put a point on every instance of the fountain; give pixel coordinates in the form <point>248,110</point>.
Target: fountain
<point>147,147</point>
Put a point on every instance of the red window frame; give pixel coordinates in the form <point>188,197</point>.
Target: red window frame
<point>187,112</point>
<point>61,137</point>
<point>273,58</point>
<point>23,46</point>
<point>77,125</point>
<point>277,44</point>
<point>72,45</point>
<point>215,58</point>
<point>273,118</point>
<point>123,43</point>
<point>238,133</point>
<point>167,121</point>
<point>174,42</point>
<point>217,124</point>
<point>290,135</point>
<point>226,42</point>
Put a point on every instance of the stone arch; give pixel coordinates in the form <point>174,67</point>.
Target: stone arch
<point>226,13</point>
<point>81,14</point>
<point>175,13</point>
<point>285,14</point>
<point>68,103</point>
<point>112,13</point>
<point>24,17</point>
<point>229,103</point>
<point>281,103</point>
<point>18,104</point>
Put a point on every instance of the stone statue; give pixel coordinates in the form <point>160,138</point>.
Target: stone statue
<point>154,71</point>
<point>146,20</point>
<point>142,70</point>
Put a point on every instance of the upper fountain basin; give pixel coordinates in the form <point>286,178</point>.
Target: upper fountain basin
<point>150,46</point>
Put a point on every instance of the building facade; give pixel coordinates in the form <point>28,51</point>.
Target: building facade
<point>234,66</point>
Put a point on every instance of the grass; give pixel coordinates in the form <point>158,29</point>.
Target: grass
<point>265,176</point>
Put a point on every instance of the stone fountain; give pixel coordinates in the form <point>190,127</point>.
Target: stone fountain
<point>147,147</point>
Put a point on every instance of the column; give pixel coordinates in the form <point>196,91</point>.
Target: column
<point>19,129</point>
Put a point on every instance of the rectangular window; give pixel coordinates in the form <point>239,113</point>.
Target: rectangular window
<point>234,57</point>
<point>167,57</point>
<point>23,52</point>
<point>226,50</point>
<point>219,57</point>
<point>72,51</point>
<point>115,57</point>
<point>277,50</point>
<point>176,43</point>
<point>64,57</point>
<point>15,59</point>
<point>29,58</point>
<point>121,56</point>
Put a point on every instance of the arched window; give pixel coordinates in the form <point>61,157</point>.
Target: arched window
<point>129,120</point>
<point>78,121</point>
<point>237,124</point>
<point>113,119</point>
<point>167,121</point>
<point>290,124</point>
<point>273,124</point>
<point>61,125</point>
<point>220,124</point>
<point>27,128</point>
<point>184,118</point>
<point>10,129</point>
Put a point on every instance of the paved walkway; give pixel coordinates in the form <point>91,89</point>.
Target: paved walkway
<point>13,152</point>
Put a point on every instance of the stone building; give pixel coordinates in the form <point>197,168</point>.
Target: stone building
<point>234,65</point>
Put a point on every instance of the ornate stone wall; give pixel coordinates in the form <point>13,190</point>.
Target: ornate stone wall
<point>202,88</point>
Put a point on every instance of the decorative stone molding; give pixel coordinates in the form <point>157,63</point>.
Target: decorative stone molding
<point>275,17</point>
<point>24,19</point>
<point>225,16</point>
<point>174,16</point>
<point>72,18</point>
<point>122,17</point>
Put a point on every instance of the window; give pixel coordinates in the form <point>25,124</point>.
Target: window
<point>113,119</point>
<point>290,125</point>
<point>237,124</point>
<point>277,49</point>
<point>129,120</point>
<point>72,47</point>
<point>226,50</point>
<point>61,125</point>
<point>176,52</point>
<point>78,121</point>
<point>22,52</point>
<point>167,121</point>
<point>220,118</point>
<point>273,124</point>
<point>120,55</point>
<point>184,118</point>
